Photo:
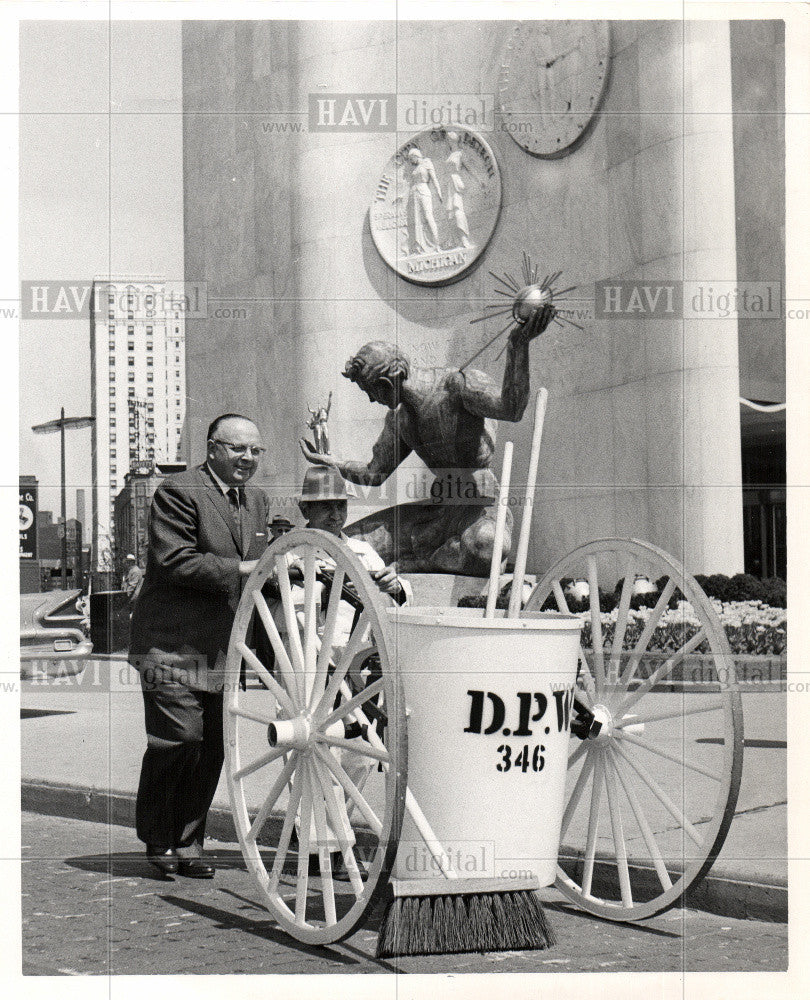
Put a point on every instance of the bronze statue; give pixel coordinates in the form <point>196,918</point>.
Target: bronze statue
<point>448,419</point>
<point>318,425</point>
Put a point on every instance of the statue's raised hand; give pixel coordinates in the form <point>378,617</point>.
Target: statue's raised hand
<point>311,454</point>
<point>536,324</point>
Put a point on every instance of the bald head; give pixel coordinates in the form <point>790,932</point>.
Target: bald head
<point>234,448</point>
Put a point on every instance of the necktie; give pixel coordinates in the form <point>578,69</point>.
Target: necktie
<point>236,509</point>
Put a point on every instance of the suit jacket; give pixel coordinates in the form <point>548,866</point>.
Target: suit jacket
<point>192,584</point>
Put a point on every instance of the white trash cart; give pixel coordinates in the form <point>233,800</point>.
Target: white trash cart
<point>316,745</point>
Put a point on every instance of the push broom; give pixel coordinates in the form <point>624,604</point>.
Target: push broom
<point>453,914</point>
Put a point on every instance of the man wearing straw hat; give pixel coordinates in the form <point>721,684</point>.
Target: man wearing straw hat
<point>324,503</point>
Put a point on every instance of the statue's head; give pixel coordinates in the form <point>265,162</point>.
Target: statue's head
<point>379,368</point>
<point>414,154</point>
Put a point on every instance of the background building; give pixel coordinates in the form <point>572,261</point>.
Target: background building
<point>131,519</point>
<point>49,541</point>
<point>680,178</point>
<point>138,390</point>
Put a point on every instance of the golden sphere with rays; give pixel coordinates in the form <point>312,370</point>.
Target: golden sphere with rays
<point>528,300</point>
<point>523,302</point>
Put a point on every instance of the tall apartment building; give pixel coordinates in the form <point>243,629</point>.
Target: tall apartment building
<point>137,386</point>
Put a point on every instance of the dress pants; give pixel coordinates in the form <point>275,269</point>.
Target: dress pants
<point>181,766</point>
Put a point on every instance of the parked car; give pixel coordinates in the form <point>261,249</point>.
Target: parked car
<point>53,632</point>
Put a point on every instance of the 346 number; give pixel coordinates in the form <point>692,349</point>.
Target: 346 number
<point>526,758</point>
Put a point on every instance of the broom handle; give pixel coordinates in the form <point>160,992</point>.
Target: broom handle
<point>528,506</point>
<point>426,832</point>
<point>500,526</point>
<point>417,816</point>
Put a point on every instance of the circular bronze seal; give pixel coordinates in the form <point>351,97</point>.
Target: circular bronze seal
<point>552,82</point>
<point>436,205</point>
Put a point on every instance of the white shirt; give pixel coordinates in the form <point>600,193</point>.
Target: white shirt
<point>371,561</point>
<point>223,486</point>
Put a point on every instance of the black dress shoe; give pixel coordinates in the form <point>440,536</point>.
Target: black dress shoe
<point>339,870</point>
<point>340,873</point>
<point>163,858</point>
<point>194,868</point>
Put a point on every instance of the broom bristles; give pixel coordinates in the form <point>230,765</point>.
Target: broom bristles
<point>456,922</point>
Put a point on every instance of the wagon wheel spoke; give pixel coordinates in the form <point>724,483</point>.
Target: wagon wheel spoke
<point>644,639</point>
<point>576,794</point>
<point>282,659</point>
<point>356,702</point>
<point>617,829</point>
<point>675,758</point>
<point>580,751</point>
<point>707,705</point>
<point>260,762</point>
<point>354,746</point>
<point>351,790</point>
<point>336,819</point>
<point>360,716</point>
<point>662,672</point>
<point>310,623</point>
<point>676,813</point>
<point>322,831</point>
<point>304,839</point>
<point>644,827</point>
<point>327,637</point>
<point>286,832</point>
<point>244,713</point>
<point>593,824</point>
<point>296,651</point>
<point>356,640</point>
<point>596,627</point>
<point>266,678</point>
<point>272,797</point>
<point>585,670</point>
<point>621,620</point>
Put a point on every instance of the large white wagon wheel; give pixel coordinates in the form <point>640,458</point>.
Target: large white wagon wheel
<point>651,797</point>
<point>292,732</point>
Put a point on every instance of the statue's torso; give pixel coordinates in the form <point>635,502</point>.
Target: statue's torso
<point>441,431</point>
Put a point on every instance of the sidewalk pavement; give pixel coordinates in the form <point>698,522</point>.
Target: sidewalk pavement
<point>82,741</point>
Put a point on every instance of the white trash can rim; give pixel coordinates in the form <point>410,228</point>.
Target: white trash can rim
<point>467,618</point>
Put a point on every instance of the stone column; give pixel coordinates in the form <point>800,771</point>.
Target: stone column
<point>712,498</point>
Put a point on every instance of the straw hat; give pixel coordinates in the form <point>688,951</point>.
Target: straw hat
<point>323,482</point>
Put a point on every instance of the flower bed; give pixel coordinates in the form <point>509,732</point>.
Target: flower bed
<point>751,627</point>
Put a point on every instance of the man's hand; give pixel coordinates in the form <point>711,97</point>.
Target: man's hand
<point>246,568</point>
<point>311,454</point>
<point>387,580</point>
<point>536,324</point>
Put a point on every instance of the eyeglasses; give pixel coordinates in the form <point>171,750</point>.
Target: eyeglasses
<point>242,449</point>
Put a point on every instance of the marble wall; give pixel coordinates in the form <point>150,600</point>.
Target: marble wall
<point>642,432</point>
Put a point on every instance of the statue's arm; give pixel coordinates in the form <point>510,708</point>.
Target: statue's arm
<point>477,395</point>
<point>386,455</point>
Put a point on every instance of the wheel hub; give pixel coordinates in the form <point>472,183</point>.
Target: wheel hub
<point>294,733</point>
<point>602,715</point>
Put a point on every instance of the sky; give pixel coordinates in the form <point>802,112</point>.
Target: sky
<point>101,190</point>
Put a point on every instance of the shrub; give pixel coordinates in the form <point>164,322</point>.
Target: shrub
<point>774,592</point>
<point>744,587</point>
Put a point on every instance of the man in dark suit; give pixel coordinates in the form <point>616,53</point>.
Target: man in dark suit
<point>206,532</point>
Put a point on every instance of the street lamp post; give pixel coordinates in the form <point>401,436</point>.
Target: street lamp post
<point>50,428</point>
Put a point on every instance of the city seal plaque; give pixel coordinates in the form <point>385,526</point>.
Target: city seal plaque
<point>436,205</point>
